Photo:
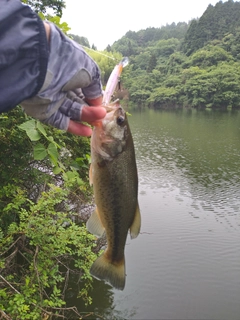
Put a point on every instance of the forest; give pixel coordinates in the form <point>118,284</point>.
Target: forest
<point>44,172</point>
<point>195,64</point>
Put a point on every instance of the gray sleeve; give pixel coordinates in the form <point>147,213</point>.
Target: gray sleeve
<point>23,53</point>
<point>69,69</point>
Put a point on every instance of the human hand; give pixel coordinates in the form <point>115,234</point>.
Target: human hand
<point>72,80</point>
<point>90,115</point>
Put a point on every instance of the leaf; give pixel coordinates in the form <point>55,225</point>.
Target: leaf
<point>41,129</point>
<point>28,125</point>
<point>71,175</point>
<point>27,280</point>
<point>52,151</point>
<point>31,131</point>
<point>50,138</point>
<point>33,135</point>
<point>39,152</point>
<point>57,170</point>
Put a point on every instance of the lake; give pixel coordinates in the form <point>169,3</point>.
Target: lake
<point>185,264</point>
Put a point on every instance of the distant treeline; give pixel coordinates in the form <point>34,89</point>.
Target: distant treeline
<point>192,65</point>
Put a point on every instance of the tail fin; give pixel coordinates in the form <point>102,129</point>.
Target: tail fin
<point>102,269</point>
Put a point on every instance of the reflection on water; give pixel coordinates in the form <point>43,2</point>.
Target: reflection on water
<point>186,262</point>
<point>199,154</point>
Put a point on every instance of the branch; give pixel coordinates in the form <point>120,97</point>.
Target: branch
<point>3,315</point>
<point>11,246</point>
<point>9,284</point>
<point>10,257</point>
<point>66,284</point>
<point>36,270</point>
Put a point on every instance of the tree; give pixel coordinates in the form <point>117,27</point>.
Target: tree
<point>210,55</point>
<point>81,40</point>
<point>37,234</point>
<point>108,49</point>
<point>215,22</point>
<point>166,47</point>
<point>163,97</point>
<point>152,63</point>
<point>43,5</point>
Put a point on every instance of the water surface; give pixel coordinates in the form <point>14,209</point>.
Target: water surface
<point>185,264</point>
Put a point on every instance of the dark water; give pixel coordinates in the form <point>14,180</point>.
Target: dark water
<point>185,264</point>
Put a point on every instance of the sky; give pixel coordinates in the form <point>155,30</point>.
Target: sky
<point>103,22</point>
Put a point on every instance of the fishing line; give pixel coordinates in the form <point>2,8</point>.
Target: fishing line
<point>103,54</point>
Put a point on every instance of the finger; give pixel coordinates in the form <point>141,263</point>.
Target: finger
<point>79,129</point>
<point>91,114</point>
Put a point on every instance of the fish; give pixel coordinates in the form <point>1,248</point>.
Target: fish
<point>113,174</point>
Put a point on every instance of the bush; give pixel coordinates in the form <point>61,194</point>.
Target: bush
<point>40,245</point>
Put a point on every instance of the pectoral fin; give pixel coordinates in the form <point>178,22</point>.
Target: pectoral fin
<point>94,224</point>
<point>136,225</point>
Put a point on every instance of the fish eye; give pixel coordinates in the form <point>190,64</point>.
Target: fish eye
<point>120,120</point>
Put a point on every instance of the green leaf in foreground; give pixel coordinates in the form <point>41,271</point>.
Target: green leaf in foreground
<point>53,153</point>
<point>31,131</point>
<point>39,152</point>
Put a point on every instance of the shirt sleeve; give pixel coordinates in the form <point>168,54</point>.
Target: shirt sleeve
<point>23,53</point>
<point>69,69</point>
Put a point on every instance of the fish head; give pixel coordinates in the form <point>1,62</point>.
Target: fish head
<point>110,135</point>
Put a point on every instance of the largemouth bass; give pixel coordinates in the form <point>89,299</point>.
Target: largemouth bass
<point>113,174</point>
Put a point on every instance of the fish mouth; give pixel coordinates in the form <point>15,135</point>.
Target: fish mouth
<point>112,106</point>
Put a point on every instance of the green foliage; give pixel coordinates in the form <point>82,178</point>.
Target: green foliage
<point>43,183</point>
<point>40,246</point>
<point>56,20</point>
<point>216,21</point>
<point>81,40</point>
<point>106,62</point>
<point>166,47</point>
<point>54,148</point>
<point>215,87</point>
<point>209,56</point>
<point>133,42</point>
<point>39,253</point>
<point>43,5</point>
<point>164,96</point>
<point>35,131</point>
<point>195,65</point>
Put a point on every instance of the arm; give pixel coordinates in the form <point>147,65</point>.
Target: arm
<point>40,67</point>
<point>69,69</point>
<point>23,55</point>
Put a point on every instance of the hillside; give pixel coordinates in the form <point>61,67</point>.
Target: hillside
<point>214,24</point>
<point>191,65</point>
